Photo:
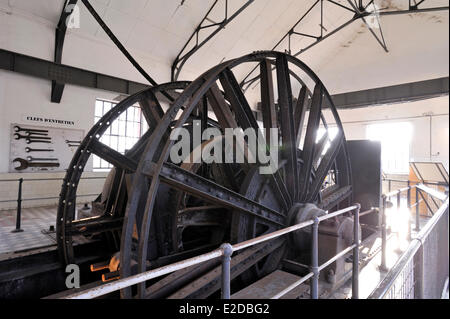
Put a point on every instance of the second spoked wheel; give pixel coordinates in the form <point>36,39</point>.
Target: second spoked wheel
<point>217,202</point>
<point>108,209</point>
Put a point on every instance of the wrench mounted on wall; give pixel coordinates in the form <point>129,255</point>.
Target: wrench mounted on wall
<point>24,164</point>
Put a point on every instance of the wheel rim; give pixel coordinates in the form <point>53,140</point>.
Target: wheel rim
<point>153,112</point>
<point>300,180</point>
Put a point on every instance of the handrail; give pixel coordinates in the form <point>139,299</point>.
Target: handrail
<point>385,285</point>
<point>47,179</point>
<point>21,180</point>
<point>225,251</point>
<point>409,181</point>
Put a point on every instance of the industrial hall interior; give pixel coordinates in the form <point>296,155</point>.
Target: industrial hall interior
<point>233,151</point>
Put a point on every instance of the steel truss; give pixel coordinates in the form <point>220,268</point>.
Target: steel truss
<point>360,9</point>
<point>206,24</point>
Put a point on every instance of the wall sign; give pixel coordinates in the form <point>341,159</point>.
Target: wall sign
<point>46,120</point>
<point>42,148</point>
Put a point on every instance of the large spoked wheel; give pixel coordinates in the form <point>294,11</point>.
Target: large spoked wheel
<point>237,198</point>
<point>110,211</point>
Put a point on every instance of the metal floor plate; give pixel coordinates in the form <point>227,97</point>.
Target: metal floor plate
<point>271,285</point>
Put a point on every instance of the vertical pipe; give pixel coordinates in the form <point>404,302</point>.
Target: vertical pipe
<point>226,260</point>
<point>383,235</point>
<point>19,208</point>
<point>389,183</point>
<point>417,211</point>
<point>355,272</point>
<point>315,260</point>
<point>398,201</point>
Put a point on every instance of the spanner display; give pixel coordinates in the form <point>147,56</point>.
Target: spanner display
<point>17,136</point>
<point>20,129</point>
<point>29,141</point>
<point>28,150</point>
<point>34,159</point>
<point>24,164</point>
<point>31,134</point>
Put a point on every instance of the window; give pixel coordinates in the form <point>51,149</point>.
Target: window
<point>395,141</point>
<point>122,134</point>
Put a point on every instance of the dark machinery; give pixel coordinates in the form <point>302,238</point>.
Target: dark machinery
<point>153,212</point>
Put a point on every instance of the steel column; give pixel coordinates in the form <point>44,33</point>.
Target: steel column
<point>355,272</point>
<point>417,211</point>
<point>314,283</point>
<point>408,200</point>
<point>226,260</point>
<point>19,208</point>
<point>383,235</point>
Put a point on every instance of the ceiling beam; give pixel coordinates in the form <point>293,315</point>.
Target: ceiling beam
<point>43,69</point>
<point>407,92</point>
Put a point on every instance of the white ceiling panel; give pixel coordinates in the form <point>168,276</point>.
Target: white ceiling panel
<point>119,22</point>
<point>349,60</point>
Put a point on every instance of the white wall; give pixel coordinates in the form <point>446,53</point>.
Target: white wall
<point>417,113</point>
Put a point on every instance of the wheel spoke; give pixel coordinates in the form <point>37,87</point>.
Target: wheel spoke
<point>300,112</point>
<point>287,125</point>
<point>239,104</point>
<point>216,194</point>
<point>112,156</point>
<point>151,109</point>
<point>310,140</point>
<point>325,166</point>
<point>269,111</point>
<point>220,108</point>
<point>320,147</point>
<point>246,119</point>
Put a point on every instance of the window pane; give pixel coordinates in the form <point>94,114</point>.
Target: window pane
<point>395,141</point>
<point>122,134</point>
<point>98,108</point>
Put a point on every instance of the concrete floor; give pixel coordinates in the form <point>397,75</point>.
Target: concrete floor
<point>370,275</point>
<point>35,223</point>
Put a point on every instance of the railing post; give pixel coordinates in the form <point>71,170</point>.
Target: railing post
<point>417,211</point>
<point>314,287</point>
<point>408,195</point>
<point>418,273</point>
<point>355,272</point>
<point>19,208</point>
<point>383,235</point>
<point>226,260</point>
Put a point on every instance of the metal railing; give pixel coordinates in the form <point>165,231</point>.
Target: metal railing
<point>226,250</point>
<point>408,183</point>
<point>20,199</point>
<point>422,271</point>
<point>419,189</point>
